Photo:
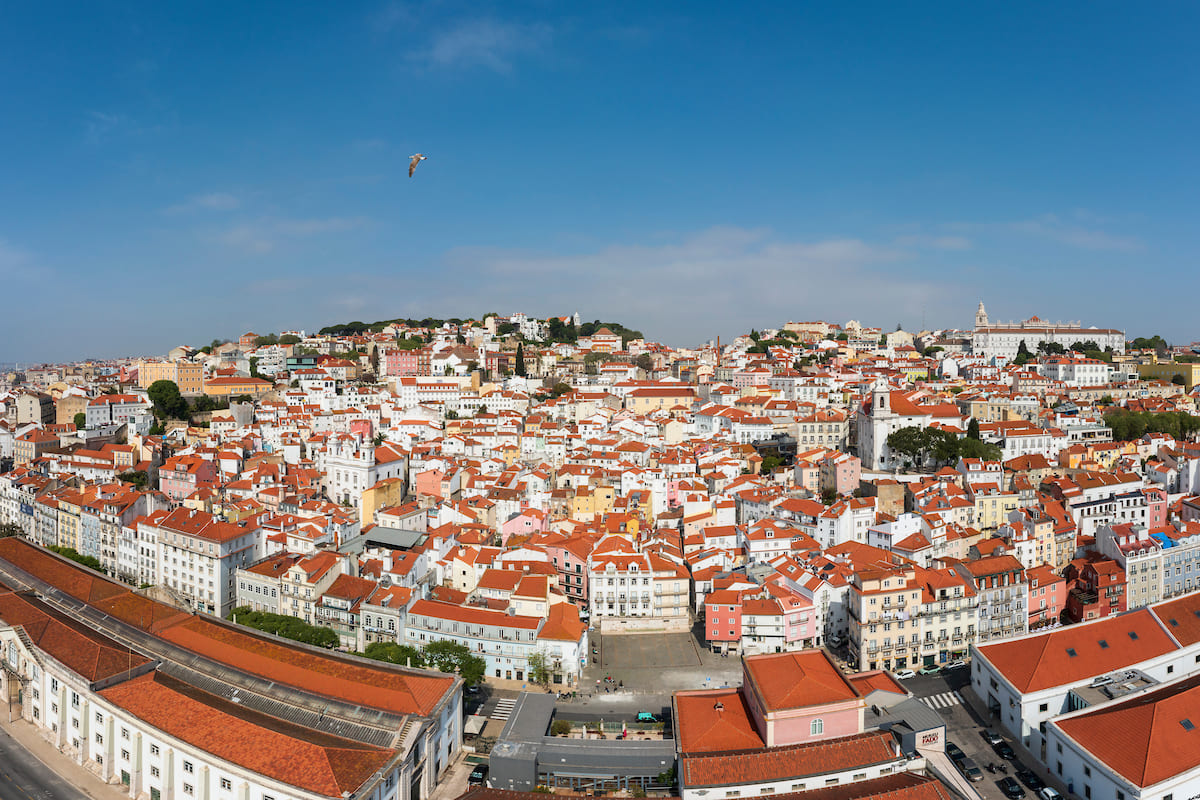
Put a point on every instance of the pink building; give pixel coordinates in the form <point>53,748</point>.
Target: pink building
<point>723,620</point>
<point>182,475</point>
<point>841,472</point>
<point>529,521</point>
<point>1047,595</point>
<point>1156,508</point>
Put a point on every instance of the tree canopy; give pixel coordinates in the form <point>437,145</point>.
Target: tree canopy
<point>80,421</point>
<point>403,654</point>
<point>447,656</point>
<point>1130,425</point>
<point>285,626</point>
<point>167,401</point>
<point>920,445</point>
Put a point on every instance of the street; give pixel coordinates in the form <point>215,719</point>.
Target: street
<point>23,777</point>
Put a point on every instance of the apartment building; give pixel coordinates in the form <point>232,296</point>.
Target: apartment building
<point>197,555</point>
<point>1003,596</point>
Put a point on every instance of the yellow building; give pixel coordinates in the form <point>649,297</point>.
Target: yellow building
<point>992,508</point>
<point>384,494</point>
<point>1166,370</point>
<point>234,386</point>
<point>187,375</point>
<point>589,504</point>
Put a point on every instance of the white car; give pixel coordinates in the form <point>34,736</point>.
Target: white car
<point>954,664</point>
<point>904,674</point>
<point>1049,793</point>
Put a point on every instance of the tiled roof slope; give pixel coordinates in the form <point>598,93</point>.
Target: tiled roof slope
<point>89,654</point>
<point>1078,652</point>
<point>1143,738</point>
<point>797,680</point>
<point>1181,618</point>
<point>295,755</point>
<point>794,761</point>
<point>365,685</point>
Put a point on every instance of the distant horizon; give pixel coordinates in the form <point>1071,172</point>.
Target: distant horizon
<point>1085,325</point>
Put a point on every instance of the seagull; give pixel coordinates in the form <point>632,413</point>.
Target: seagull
<point>412,165</point>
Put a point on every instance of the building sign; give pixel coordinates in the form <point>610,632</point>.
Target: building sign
<point>935,737</point>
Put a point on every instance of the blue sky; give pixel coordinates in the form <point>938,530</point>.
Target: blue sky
<point>172,172</point>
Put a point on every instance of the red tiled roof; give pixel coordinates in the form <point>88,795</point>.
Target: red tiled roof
<point>88,653</point>
<point>74,579</point>
<point>298,756</point>
<point>1143,738</point>
<point>796,680</point>
<point>365,685</point>
<point>769,764</point>
<point>1181,618</point>
<point>1040,661</point>
<point>714,721</point>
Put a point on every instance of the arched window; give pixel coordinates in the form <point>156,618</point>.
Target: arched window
<point>817,727</point>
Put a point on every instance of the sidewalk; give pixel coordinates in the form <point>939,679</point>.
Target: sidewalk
<point>85,781</point>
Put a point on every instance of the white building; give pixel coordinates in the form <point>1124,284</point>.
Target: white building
<point>1003,339</point>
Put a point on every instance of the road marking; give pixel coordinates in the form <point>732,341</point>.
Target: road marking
<point>943,700</point>
<point>504,708</point>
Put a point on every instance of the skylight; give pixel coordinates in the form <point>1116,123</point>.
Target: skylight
<point>1187,724</point>
<point>1133,635</point>
<point>1174,622</point>
<point>1103,644</point>
<point>1071,652</point>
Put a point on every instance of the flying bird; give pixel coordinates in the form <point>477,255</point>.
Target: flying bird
<point>412,165</point>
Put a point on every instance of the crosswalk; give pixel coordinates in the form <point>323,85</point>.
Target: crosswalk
<point>504,708</point>
<point>943,700</point>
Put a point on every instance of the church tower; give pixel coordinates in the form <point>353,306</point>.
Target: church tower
<point>981,319</point>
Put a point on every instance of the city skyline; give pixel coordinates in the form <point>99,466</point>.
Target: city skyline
<point>184,174</point>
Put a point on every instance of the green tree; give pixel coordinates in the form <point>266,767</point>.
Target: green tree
<point>910,441</point>
<point>975,448</point>
<point>644,362</point>
<point>539,668</point>
<point>770,463</point>
<point>447,656</point>
<point>403,654</point>
<point>80,421</point>
<point>1179,380</point>
<point>168,403</point>
<point>91,562</point>
<point>560,727</point>
<point>289,338</point>
<point>288,627</point>
<point>204,403</point>
<point>266,341</point>
<point>10,529</point>
<point>254,367</point>
<point>138,478</point>
<point>1023,354</point>
<point>520,367</point>
<point>973,429</point>
<point>829,496</point>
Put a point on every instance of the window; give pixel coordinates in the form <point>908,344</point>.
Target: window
<point>154,772</point>
<point>125,733</point>
<point>99,717</point>
<point>187,789</point>
<point>187,767</point>
<point>816,727</point>
<point>1043,707</point>
<point>124,755</point>
<point>226,783</point>
<point>153,749</point>
<point>99,739</point>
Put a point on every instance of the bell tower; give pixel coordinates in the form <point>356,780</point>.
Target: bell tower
<point>981,318</point>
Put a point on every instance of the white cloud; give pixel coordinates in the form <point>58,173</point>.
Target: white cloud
<point>213,201</point>
<point>264,235</point>
<point>1051,227</point>
<point>484,43</point>
<point>718,281</point>
<point>934,242</point>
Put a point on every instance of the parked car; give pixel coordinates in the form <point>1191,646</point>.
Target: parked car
<point>1049,793</point>
<point>646,716</point>
<point>478,776</point>
<point>1004,750</point>
<point>1030,779</point>
<point>932,669</point>
<point>957,664</point>
<point>904,674</point>
<point>1011,788</point>
<point>955,752</point>
<point>991,737</point>
<point>970,769</point>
